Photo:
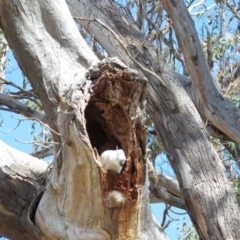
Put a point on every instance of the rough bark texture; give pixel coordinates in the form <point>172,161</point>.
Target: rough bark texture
<point>193,157</point>
<point>149,57</point>
<point>88,110</point>
<point>110,204</point>
<point>210,101</point>
<point>101,108</point>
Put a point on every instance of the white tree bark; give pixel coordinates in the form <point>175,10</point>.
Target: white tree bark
<point>22,182</point>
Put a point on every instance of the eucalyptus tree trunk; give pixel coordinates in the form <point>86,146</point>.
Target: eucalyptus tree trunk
<point>209,199</point>
<point>90,106</point>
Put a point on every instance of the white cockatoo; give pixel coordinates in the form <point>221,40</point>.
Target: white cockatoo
<point>113,160</point>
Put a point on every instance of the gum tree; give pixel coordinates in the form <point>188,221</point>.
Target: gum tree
<point>91,105</point>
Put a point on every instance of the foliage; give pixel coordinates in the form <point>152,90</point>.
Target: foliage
<point>187,233</point>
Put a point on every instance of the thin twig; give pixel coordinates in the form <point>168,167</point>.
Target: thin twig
<point>234,10</point>
<point>18,87</point>
<point>168,223</point>
<point>165,214</point>
<point>38,143</point>
<point>12,128</point>
<point>15,95</point>
<point>43,153</point>
<point>177,212</point>
<point>46,126</point>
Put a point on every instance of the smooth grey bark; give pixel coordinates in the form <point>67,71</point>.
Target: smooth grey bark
<point>90,106</point>
<point>204,186</point>
<point>42,59</point>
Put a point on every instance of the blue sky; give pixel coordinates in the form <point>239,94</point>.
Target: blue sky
<point>10,120</point>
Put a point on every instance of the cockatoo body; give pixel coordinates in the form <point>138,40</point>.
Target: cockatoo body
<point>113,160</point>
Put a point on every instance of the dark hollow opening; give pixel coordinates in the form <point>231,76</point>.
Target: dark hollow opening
<point>97,130</point>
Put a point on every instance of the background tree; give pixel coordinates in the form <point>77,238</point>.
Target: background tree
<point>90,106</point>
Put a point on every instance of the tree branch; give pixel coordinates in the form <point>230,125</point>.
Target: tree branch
<point>159,181</point>
<point>18,107</point>
<point>211,103</point>
<point>138,64</point>
<point>43,153</point>
<point>234,10</point>
<point>49,78</point>
<point>22,181</point>
<point>151,60</point>
<point>18,87</point>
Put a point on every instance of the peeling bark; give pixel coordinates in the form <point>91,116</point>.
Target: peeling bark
<point>91,106</point>
<point>112,99</point>
<point>148,56</point>
<point>192,155</point>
